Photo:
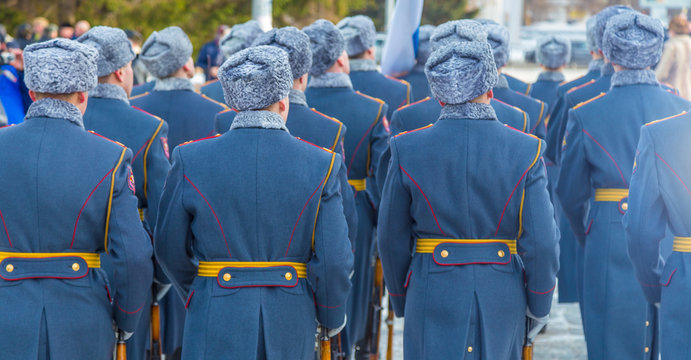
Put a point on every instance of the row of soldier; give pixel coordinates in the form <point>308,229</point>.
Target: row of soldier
<point>457,244</point>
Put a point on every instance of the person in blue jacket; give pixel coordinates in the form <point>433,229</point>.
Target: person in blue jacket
<point>110,115</point>
<point>77,194</point>
<point>559,115</point>
<point>12,85</point>
<point>553,53</point>
<point>241,36</point>
<point>598,155</point>
<point>659,198</point>
<point>416,76</point>
<point>359,34</point>
<point>498,38</point>
<point>255,241</point>
<point>190,116</point>
<point>467,255</point>
<point>331,92</point>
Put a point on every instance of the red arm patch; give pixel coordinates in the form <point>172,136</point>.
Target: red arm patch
<point>166,150</point>
<point>130,179</point>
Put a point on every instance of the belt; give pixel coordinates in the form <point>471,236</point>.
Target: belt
<point>358,184</point>
<point>141,214</point>
<point>682,244</point>
<point>92,260</point>
<point>212,268</point>
<point>612,195</point>
<point>427,246</point>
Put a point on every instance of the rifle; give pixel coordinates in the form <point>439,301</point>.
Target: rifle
<point>389,325</point>
<point>121,347</point>
<point>372,332</point>
<point>528,347</point>
<point>324,344</point>
<point>336,349</point>
<point>155,345</point>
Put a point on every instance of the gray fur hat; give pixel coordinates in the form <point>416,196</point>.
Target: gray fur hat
<point>462,71</point>
<point>424,48</point>
<point>241,36</point>
<point>358,32</point>
<point>60,66</point>
<point>457,31</point>
<point>603,17</point>
<point>256,77</point>
<point>295,43</point>
<point>498,37</point>
<point>327,45</point>
<point>166,51</point>
<point>590,34</point>
<point>553,51</point>
<point>633,40</point>
<point>114,49</point>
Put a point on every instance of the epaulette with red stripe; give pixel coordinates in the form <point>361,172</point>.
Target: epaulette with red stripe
<point>214,101</point>
<point>202,139</point>
<point>6,126</point>
<point>524,133</point>
<point>398,80</point>
<point>226,110</point>
<point>210,82</point>
<point>580,86</point>
<point>323,148</point>
<point>111,140</point>
<point>370,97</point>
<point>588,101</point>
<point>139,96</point>
<point>412,131</point>
<point>415,103</point>
<point>327,116</point>
<point>667,118</point>
<point>146,112</point>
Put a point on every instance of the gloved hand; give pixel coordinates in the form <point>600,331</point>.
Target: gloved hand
<point>162,291</point>
<point>333,332</point>
<point>126,335</point>
<point>535,324</point>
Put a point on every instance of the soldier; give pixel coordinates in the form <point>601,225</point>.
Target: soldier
<point>575,96</point>
<point>359,34</point>
<point>593,186</point>
<point>449,243</point>
<point>330,91</point>
<point>416,77</point>
<point>659,198</point>
<point>110,114</point>
<point>190,116</point>
<point>265,226</point>
<point>553,53</point>
<point>498,38</point>
<point>76,192</point>
<point>240,37</point>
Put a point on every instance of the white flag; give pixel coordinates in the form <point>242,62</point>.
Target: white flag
<point>399,49</point>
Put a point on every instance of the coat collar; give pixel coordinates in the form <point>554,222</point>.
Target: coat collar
<point>258,119</point>
<point>109,91</point>
<point>607,69</point>
<point>595,65</point>
<point>297,97</point>
<point>57,109</point>
<point>554,76</point>
<point>173,83</point>
<point>330,80</point>
<point>474,111</point>
<point>633,77</point>
<point>363,65</point>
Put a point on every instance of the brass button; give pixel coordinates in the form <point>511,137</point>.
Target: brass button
<point>647,323</point>
<point>624,206</point>
<point>647,349</point>
<point>75,267</point>
<point>226,277</point>
<point>9,268</point>
<point>289,276</point>
<point>444,253</point>
<point>470,349</point>
<point>501,253</point>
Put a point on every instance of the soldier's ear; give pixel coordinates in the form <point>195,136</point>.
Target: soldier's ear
<point>490,94</point>
<point>32,95</point>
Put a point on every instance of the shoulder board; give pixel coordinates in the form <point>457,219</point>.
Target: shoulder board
<point>370,97</point>
<point>214,101</point>
<point>667,118</point>
<point>588,101</point>
<point>210,82</point>
<point>101,136</point>
<point>415,103</point>
<point>225,111</point>
<point>202,139</point>
<point>139,96</point>
<point>527,90</point>
<point>524,133</point>
<point>509,105</point>
<point>568,82</point>
<point>398,80</point>
<point>327,116</point>
<point>317,146</point>
<point>6,126</point>
<point>580,86</point>
<point>146,112</point>
<point>412,131</point>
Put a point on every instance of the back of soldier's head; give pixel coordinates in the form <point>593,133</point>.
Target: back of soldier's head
<point>240,37</point>
<point>633,40</point>
<point>295,43</point>
<point>553,51</point>
<point>603,17</point>
<point>166,51</point>
<point>359,34</point>
<point>457,31</point>
<point>327,45</point>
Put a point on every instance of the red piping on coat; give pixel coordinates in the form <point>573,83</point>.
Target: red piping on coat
<point>212,211</point>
